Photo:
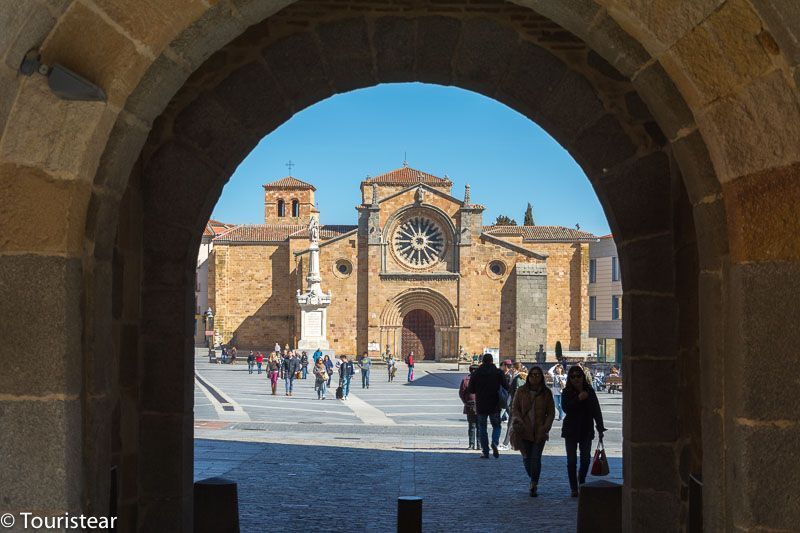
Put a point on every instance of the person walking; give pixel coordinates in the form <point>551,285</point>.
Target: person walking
<point>328,368</point>
<point>410,363</point>
<point>317,355</point>
<point>559,382</point>
<point>273,370</point>
<point>277,347</point>
<point>259,361</point>
<point>505,411</point>
<point>365,364</point>
<point>304,364</point>
<point>391,367</point>
<point>485,384</point>
<point>517,376</point>
<point>468,399</point>
<point>582,407</point>
<point>532,413</point>
<point>291,366</point>
<point>251,362</point>
<point>320,379</point>
<point>346,371</point>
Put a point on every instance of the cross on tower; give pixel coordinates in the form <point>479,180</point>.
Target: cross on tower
<point>290,165</point>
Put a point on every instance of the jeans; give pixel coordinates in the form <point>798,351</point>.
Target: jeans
<point>411,373</point>
<point>572,460</point>
<point>365,378</point>
<point>305,372</point>
<point>259,367</point>
<point>483,431</point>
<point>533,459</point>
<point>321,389</point>
<point>250,367</point>
<point>330,376</point>
<point>507,438</point>
<point>288,380</point>
<point>557,400</point>
<point>345,383</point>
<point>472,423</point>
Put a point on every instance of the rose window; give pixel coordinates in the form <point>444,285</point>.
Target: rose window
<point>419,242</point>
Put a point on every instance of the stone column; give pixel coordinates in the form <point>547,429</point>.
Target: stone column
<point>531,309</point>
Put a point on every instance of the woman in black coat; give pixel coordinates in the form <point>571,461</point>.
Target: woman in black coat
<point>582,407</point>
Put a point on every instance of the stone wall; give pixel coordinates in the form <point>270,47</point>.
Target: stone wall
<point>254,295</point>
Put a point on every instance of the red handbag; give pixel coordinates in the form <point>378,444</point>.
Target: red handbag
<point>600,463</point>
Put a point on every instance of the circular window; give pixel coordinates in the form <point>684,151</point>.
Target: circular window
<point>497,268</point>
<point>419,242</point>
<point>343,268</point>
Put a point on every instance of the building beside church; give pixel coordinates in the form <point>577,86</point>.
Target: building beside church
<point>419,271</point>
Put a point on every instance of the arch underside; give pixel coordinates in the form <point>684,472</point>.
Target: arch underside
<point>659,105</point>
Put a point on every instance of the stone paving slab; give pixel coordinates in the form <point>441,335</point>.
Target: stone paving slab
<point>288,488</point>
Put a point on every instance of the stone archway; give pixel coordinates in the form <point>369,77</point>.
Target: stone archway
<point>719,79</point>
<point>443,317</point>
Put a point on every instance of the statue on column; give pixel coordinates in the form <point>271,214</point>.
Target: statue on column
<point>313,230</point>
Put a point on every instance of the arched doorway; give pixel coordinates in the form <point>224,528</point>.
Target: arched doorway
<point>419,334</point>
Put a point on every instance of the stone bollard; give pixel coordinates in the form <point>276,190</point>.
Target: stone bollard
<point>216,506</point>
<point>409,514</point>
<point>600,507</point>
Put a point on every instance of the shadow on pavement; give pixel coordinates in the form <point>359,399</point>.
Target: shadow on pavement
<point>285,487</point>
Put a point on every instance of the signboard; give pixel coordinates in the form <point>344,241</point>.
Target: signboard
<point>373,347</point>
<point>495,355</point>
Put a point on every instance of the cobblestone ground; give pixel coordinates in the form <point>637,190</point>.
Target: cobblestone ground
<point>304,465</point>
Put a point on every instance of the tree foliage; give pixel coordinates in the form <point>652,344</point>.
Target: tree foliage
<point>503,220</point>
<point>529,216</point>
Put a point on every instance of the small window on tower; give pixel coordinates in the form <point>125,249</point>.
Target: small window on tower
<point>295,208</point>
<point>281,208</point>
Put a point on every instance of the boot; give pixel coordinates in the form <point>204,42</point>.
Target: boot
<point>532,490</point>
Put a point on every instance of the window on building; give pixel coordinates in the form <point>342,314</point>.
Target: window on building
<point>295,208</point>
<point>618,351</point>
<point>592,270</point>
<point>615,307</point>
<point>601,350</point>
<point>592,308</point>
<point>614,269</point>
<point>281,208</point>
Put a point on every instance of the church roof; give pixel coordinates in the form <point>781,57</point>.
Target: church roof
<point>264,233</point>
<point>406,175</point>
<point>215,227</point>
<point>289,182</point>
<point>541,233</point>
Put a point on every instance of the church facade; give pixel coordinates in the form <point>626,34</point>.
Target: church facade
<point>419,271</point>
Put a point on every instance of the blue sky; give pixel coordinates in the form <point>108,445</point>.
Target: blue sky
<point>507,159</point>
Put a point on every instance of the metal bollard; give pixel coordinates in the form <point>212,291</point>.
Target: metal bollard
<point>216,506</point>
<point>409,514</point>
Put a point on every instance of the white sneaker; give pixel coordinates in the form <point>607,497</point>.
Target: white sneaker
<point>504,447</point>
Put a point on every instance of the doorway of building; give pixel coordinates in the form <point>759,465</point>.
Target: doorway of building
<point>419,334</point>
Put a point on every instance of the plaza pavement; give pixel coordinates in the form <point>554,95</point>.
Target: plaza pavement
<point>297,458</point>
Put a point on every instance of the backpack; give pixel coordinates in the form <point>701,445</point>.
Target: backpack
<point>350,369</point>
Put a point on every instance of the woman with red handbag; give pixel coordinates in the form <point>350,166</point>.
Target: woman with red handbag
<point>583,408</point>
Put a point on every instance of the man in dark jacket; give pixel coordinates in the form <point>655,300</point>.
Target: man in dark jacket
<point>346,371</point>
<point>486,383</point>
<point>291,365</point>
